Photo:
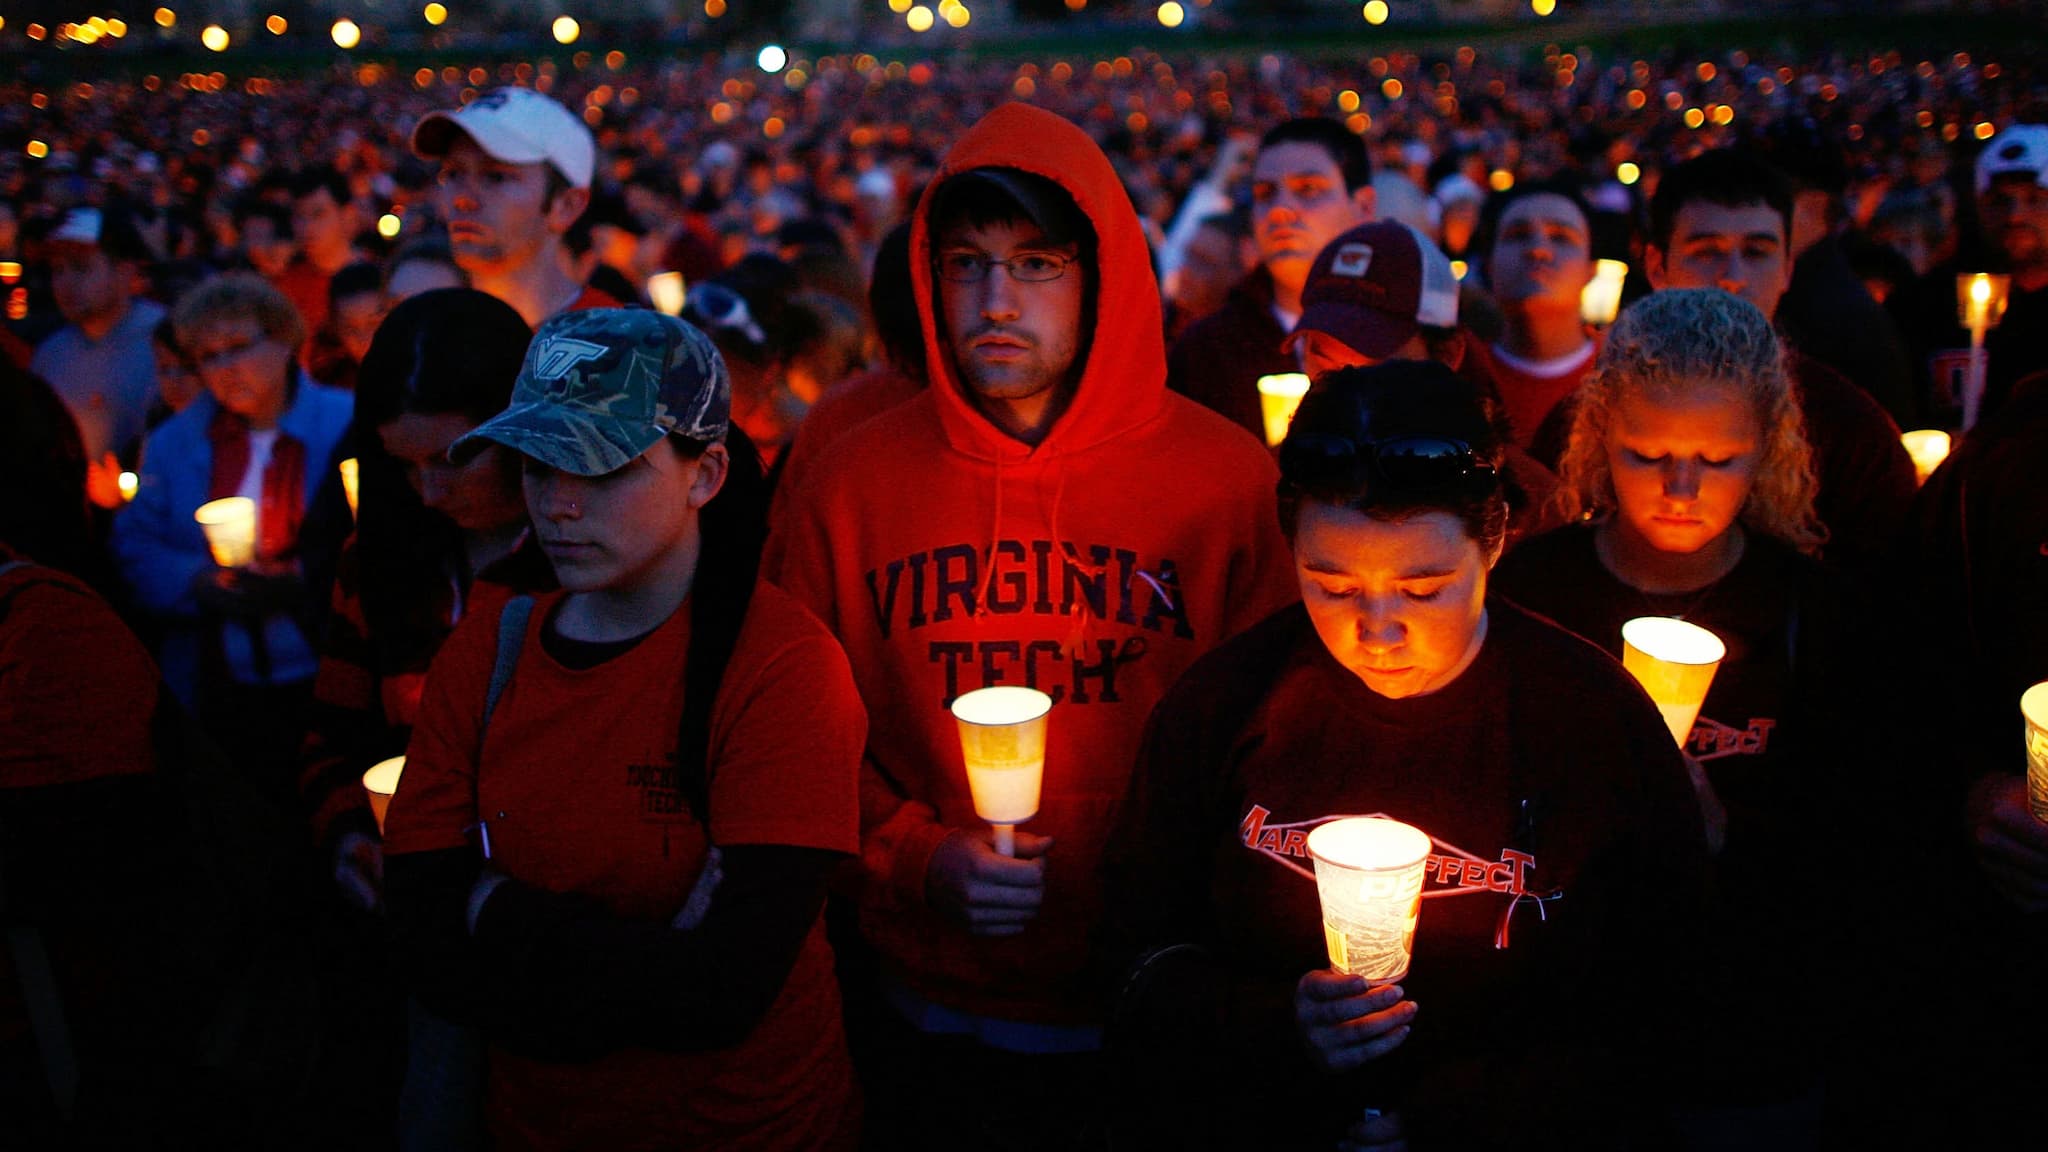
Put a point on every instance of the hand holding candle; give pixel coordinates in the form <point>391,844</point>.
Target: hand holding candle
<point>1002,740</point>
<point>1675,663</point>
<point>1369,877</point>
<point>230,527</point>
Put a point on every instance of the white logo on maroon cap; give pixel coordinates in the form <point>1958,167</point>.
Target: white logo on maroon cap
<point>1352,260</point>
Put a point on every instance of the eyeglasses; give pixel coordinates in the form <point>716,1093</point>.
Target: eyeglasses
<point>207,359</point>
<point>1323,460</point>
<point>969,267</point>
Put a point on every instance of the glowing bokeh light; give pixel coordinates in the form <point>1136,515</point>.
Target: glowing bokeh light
<point>435,14</point>
<point>346,34</point>
<point>919,18</point>
<point>566,30</point>
<point>214,37</point>
<point>772,59</point>
<point>1171,14</point>
<point>1376,12</point>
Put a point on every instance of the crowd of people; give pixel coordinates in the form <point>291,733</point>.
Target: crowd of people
<point>652,452</point>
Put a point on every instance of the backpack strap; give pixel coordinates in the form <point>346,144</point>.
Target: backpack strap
<point>511,634</point>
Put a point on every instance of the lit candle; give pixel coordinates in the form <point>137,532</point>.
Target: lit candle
<point>2034,706</point>
<point>230,527</point>
<point>351,481</point>
<point>1675,663</point>
<point>1369,877</point>
<point>1279,396</point>
<point>130,484</point>
<point>1600,299</point>
<point>380,782</point>
<point>1980,299</point>
<point>1980,305</point>
<point>1928,447</point>
<point>1002,740</point>
<point>665,290</point>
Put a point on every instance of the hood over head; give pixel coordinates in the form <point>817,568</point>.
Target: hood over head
<point>1124,380</point>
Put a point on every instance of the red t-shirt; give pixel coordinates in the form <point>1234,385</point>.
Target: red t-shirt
<point>576,778</point>
<point>1530,398</point>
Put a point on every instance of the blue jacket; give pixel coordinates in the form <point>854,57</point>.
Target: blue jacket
<point>161,549</point>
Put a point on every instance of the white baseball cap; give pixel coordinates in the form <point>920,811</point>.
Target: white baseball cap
<point>2021,149</point>
<point>516,126</point>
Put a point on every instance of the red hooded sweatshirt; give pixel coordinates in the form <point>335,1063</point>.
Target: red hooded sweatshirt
<point>1140,533</point>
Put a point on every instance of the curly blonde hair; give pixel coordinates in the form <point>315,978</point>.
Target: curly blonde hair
<point>232,296</point>
<point>1679,340</point>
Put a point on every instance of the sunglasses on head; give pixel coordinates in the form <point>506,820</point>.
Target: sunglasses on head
<point>714,307</point>
<point>1326,460</point>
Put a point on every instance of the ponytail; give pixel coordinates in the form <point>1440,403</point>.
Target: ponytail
<point>732,528</point>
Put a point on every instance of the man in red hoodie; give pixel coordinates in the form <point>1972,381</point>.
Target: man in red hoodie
<point>1046,514</point>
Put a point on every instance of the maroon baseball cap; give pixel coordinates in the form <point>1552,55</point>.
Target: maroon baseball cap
<point>1375,287</point>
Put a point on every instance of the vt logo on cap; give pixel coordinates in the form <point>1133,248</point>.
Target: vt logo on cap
<point>1351,260</point>
<point>600,387</point>
<point>555,355</point>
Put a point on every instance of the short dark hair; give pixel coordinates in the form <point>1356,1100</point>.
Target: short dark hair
<point>1346,148</point>
<point>431,248</point>
<point>1729,177</point>
<point>280,217</point>
<point>358,279</point>
<point>1497,205</point>
<point>307,181</point>
<point>1397,398</point>
<point>980,197</point>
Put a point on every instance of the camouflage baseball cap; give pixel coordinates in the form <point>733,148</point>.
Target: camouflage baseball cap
<point>601,386</point>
